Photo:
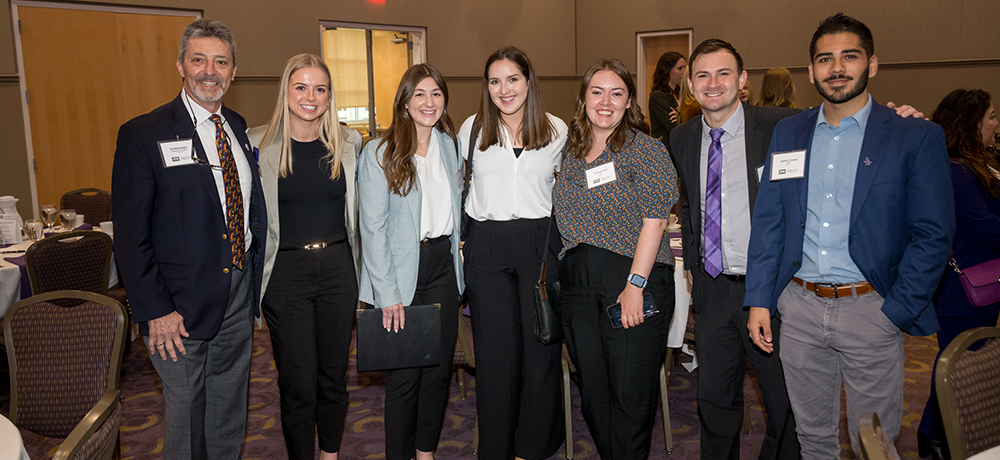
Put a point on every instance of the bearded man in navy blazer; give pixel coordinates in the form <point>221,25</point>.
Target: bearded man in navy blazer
<point>851,232</point>
<point>190,229</point>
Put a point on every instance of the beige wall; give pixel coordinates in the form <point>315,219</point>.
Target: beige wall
<point>563,37</point>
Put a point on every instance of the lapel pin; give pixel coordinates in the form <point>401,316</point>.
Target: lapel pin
<point>868,162</point>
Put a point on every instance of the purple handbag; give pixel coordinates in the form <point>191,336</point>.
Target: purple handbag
<point>981,282</point>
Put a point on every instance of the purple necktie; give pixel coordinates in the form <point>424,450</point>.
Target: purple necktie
<point>713,206</point>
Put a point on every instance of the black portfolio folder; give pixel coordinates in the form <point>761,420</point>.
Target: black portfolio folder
<point>418,344</point>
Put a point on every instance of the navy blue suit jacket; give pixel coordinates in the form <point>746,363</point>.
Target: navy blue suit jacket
<point>170,229</point>
<point>902,216</point>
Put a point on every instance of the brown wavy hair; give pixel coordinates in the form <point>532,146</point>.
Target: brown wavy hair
<point>536,129</point>
<point>581,135</point>
<point>661,75</point>
<point>400,140</point>
<point>961,114</point>
<point>777,89</point>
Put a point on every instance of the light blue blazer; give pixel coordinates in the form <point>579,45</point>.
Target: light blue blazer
<point>390,225</point>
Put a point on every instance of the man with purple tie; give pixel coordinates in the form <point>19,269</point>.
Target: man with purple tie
<point>189,234</point>
<point>718,157</point>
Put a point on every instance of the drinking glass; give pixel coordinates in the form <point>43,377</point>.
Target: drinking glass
<point>33,229</point>
<point>49,214</point>
<point>68,217</point>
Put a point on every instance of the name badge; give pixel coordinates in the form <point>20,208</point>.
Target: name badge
<point>600,175</point>
<point>176,152</point>
<point>788,165</point>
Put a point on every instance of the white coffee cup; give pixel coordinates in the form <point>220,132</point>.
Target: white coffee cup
<point>107,227</point>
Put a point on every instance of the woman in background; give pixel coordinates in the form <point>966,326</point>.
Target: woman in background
<point>665,97</point>
<point>969,121</point>
<point>410,224</point>
<point>746,93</point>
<point>517,151</point>
<point>777,89</point>
<point>612,200</point>
<point>689,107</point>
<point>310,288</point>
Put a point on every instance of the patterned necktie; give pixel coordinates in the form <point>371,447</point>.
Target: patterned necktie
<point>713,206</point>
<point>234,196</point>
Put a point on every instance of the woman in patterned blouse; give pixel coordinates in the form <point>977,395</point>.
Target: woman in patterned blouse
<point>612,200</point>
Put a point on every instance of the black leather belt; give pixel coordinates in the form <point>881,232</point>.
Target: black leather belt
<point>430,241</point>
<point>737,278</point>
<point>310,246</point>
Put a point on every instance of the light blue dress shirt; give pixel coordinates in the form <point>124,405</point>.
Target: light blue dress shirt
<point>833,167</point>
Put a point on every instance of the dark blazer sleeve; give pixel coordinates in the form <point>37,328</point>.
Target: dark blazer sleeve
<point>687,149</point>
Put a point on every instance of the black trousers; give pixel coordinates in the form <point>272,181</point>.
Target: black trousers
<point>309,306</point>
<point>619,368</point>
<point>724,346</point>
<point>416,398</point>
<point>517,378</point>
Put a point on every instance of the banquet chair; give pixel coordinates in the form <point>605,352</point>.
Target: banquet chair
<point>465,358</point>
<point>967,391</point>
<point>874,444</point>
<point>93,203</point>
<point>65,374</point>
<point>79,260</point>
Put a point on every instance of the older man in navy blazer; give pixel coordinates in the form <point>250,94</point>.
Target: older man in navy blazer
<point>189,233</point>
<point>851,231</point>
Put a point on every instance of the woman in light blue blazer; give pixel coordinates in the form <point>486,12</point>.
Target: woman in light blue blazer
<point>409,224</point>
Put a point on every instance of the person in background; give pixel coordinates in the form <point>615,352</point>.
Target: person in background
<point>689,107</point>
<point>518,147</point>
<point>777,89</point>
<point>410,222</point>
<point>612,200</point>
<point>968,118</point>
<point>665,97</point>
<point>190,221</point>
<point>746,93</point>
<point>307,165</point>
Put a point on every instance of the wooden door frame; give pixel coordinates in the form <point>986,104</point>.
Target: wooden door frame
<point>640,53</point>
<point>15,18</point>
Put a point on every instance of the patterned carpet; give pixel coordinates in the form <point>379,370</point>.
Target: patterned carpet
<point>142,427</point>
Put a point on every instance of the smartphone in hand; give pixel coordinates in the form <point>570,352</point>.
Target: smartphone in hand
<point>615,311</point>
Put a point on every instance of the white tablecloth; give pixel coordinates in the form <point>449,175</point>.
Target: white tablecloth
<point>10,276</point>
<point>11,445</point>
<point>992,453</point>
<point>682,302</point>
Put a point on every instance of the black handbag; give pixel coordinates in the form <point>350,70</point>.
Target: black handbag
<point>548,322</point>
<point>466,219</point>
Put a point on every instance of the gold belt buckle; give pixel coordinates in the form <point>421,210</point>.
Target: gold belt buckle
<point>310,247</point>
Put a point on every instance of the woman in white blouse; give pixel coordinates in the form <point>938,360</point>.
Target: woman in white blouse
<point>410,209</point>
<point>516,148</point>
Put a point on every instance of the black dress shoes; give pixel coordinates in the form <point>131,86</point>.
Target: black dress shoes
<point>936,449</point>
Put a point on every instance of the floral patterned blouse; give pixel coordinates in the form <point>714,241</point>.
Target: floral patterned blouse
<point>609,215</point>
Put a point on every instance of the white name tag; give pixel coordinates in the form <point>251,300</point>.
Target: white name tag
<point>788,165</point>
<point>600,175</point>
<point>176,152</point>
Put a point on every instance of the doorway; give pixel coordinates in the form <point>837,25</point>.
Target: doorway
<point>650,46</point>
<point>366,63</point>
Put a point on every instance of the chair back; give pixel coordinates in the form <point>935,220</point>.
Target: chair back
<point>93,203</point>
<point>874,443</point>
<point>968,393</point>
<point>78,260</point>
<point>62,360</point>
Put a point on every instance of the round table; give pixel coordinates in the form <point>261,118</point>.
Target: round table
<point>11,445</point>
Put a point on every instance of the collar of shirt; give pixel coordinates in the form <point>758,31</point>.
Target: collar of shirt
<point>198,113</point>
<point>860,117</point>
<point>732,127</point>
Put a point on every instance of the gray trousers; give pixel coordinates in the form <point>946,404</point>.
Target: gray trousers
<point>827,341</point>
<point>205,391</point>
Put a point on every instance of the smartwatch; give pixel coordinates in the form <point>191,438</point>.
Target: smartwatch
<point>636,280</point>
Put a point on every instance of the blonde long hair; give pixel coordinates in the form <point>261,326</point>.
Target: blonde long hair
<point>329,132</point>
